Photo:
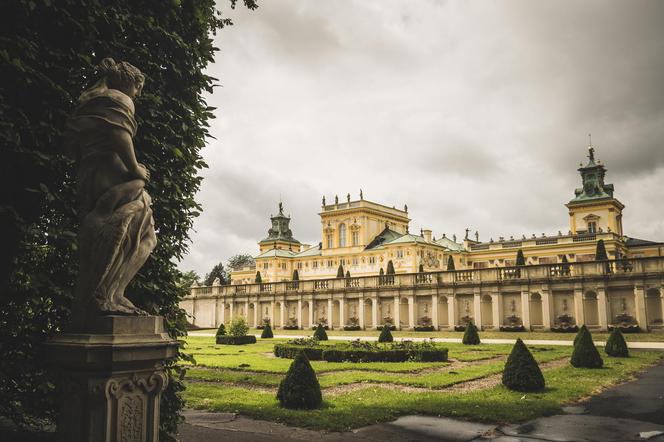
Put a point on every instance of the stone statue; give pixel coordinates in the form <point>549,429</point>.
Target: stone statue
<point>117,230</point>
<point>361,195</point>
<point>323,200</point>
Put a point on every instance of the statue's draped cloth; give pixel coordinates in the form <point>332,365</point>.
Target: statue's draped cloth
<point>117,229</point>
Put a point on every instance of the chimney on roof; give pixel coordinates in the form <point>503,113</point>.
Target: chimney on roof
<point>426,233</point>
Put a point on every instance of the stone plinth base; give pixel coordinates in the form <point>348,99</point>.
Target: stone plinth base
<point>110,379</point>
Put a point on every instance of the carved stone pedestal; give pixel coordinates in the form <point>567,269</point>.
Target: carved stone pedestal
<point>110,379</point>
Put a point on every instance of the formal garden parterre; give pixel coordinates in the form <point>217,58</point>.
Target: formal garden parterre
<point>245,379</point>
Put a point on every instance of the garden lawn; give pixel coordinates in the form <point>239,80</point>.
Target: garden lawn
<point>226,385</point>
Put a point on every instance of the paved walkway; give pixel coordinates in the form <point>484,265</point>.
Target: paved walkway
<point>633,411</point>
<point>641,345</point>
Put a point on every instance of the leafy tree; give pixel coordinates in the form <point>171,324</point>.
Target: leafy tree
<point>340,271</point>
<point>385,334</point>
<point>238,327</point>
<point>470,335</point>
<point>521,371</point>
<point>221,331</point>
<point>320,333</point>
<point>188,278</point>
<point>520,259</point>
<point>267,332</point>
<point>237,262</point>
<point>390,268</point>
<point>296,275</point>
<point>49,53</point>
<point>217,271</point>
<point>450,263</point>
<point>259,278</point>
<point>585,354</point>
<point>300,388</point>
<point>616,345</point>
<point>600,251</point>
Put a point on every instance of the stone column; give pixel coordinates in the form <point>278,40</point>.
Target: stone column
<point>397,312</point>
<point>214,313</point>
<point>496,311</point>
<point>330,316</point>
<point>579,314</point>
<point>477,309</point>
<point>193,310</point>
<point>342,314</point>
<point>525,308</point>
<point>282,313</point>
<point>311,312</point>
<point>411,312</point>
<point>360,312</point>
<point>640,307</point>
<point>257,312</point>
<point>272,313</point>
<point>451,311</point>
<point>547,307</point>
<point>109,379</point>
<point>602,307</point>
<point>231,312</point>
<point>223,311</point>
<point>374,312</point>
<point>299,313</point>
<point>434,311</point>
<point>246,310</point>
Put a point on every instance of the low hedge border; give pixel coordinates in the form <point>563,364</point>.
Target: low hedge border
<point>346,353</point>
<point>572,329</point>
<point>289,351</point>
<point>290,327</point>
<point>352,327</point>
<point>391,327</point>
<point>423,328</point>
<point>236,340</point>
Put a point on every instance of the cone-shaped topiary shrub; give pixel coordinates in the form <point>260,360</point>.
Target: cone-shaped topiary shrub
<point>259,278</point>
<point>300,388</point>
<point>221,331</point>
<point>471,336</point>
<point>340,271</point>
<point>450,263</point>
<point>520,259</point>
<point>390,268</point>
<point>320,333</point>
<point>600,251</point>
<point>585,354</point>
<point>616,345</point>
<point>267,332</point>
<point>521,371</point>
<point>579,333</point>
<point>385,334</point>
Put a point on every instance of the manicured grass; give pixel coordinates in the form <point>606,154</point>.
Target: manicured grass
<point>229,387</point>
<point>654,336</point>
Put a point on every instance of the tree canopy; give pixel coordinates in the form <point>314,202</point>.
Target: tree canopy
<point>237,262</point>
<point>218,271</point>
<point>49,53</point>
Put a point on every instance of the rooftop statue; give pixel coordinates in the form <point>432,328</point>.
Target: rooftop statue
<point>117,229</point>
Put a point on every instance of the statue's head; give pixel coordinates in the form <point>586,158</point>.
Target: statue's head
<point>122,76</point>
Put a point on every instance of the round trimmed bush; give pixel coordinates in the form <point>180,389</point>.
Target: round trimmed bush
<point>616,345</point>
<point>521,371</point>
<point>221,331</point>
<point>385,335</point>
<point>320,333</point>
<point>585,354</point>
<point>238,327</point>
<point>267,332</point>
<point>471,336</point>
<point>300,388</point>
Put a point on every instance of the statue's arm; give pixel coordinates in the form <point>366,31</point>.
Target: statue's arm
<point>124,147</point>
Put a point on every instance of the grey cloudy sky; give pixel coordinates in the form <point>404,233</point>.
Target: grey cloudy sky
<point>474,113</point>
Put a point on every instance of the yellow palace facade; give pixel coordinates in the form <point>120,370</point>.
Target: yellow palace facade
<point>369,270</point>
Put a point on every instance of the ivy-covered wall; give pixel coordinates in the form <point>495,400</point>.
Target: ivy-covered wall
<point>48,50</point>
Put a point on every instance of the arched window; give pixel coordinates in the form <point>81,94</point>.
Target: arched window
<point>342,235</point>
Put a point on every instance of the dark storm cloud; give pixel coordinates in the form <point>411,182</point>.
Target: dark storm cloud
<point>475,114</point>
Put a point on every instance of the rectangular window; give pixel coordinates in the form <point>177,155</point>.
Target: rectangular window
<point>330,241</point>
<point>399,253</point>
<point>329,263</point>
<point>265,265</point>
<point>355,261</point>
<point>356,238</point>
<point>480,265</point>
<point>592,227</point>
<point>372,260</point>
<point>342,262</point>
<point>314,264</point>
